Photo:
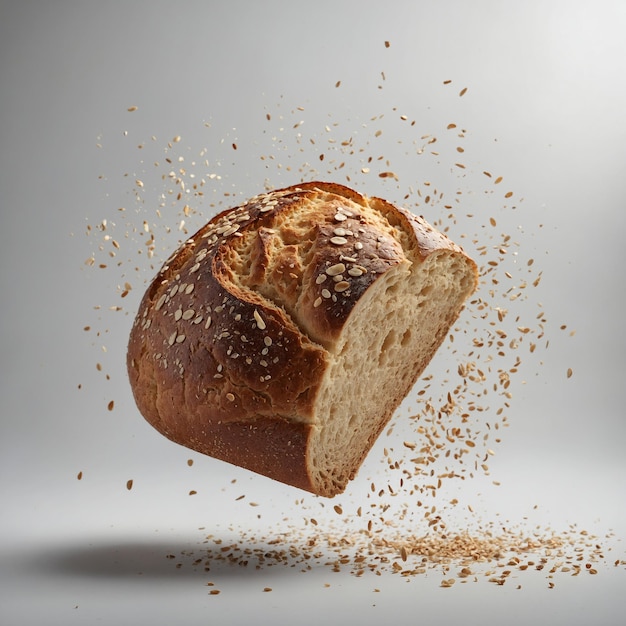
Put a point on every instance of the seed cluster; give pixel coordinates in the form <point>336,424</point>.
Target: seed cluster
<point>338,277</point>
<point>499,556</point>
<point>402,525</point>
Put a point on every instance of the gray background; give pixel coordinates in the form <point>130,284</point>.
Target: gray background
<point>544,109</point>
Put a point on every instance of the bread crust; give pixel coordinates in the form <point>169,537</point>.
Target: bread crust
<point>234,335</point>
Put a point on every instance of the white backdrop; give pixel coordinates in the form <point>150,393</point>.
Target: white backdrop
<point>501,122</point>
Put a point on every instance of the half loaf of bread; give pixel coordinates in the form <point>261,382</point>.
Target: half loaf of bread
<point>284,334</point>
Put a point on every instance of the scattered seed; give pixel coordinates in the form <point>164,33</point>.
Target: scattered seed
<point>377,546</point>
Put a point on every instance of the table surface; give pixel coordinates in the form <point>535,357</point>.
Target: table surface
<point>126,126</point>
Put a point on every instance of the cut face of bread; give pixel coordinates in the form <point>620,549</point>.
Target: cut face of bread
<point>306,316</point>
<point>390,337</point>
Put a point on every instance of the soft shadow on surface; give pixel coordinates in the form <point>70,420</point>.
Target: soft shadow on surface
<point>159,558</point>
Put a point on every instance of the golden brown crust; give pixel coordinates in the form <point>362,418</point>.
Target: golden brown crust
<point>233,336</point>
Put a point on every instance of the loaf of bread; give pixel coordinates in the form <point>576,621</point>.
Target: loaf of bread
<point>283,335</point>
